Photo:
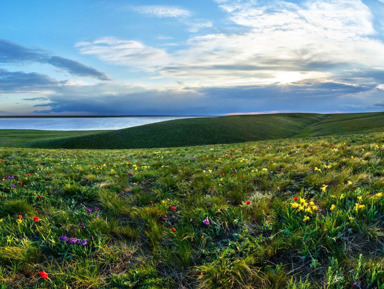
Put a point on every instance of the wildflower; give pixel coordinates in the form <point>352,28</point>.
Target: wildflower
<point>20,216</point>
<point>333,207</point>
<point>301,208</point>
<point>36,219</point>
<point>84,242</point>
<point>324,188</point>
<point>43,274</point>
<point>311,203</point>
<point>40,196</point>
<point>317,169</point>
<point>342,196</point>
<point>173,208</point>
<point>150,202</point>
<point>306,218</point>
<point>19,221</point>
<point>248,202</point>
<point>308,210</point>
<point>295,198</point>
<point>360,198</point>
<point>358,207</point>
<point>379,195</point>
<point>28,174</point>
<point>314,208</point>
<point>63,238</point>
<point>73,240</point>
<point>173,229</point>
<point>1,220</point>
<point>295,205</point>
<point>206,221</point>
<point>89,210</point>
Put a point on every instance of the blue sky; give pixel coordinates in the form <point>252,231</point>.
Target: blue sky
<point>94,57</point>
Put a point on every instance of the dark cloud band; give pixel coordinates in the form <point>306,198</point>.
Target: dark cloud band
<point>11,52</point>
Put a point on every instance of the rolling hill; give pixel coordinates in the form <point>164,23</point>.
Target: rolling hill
<point>220,130</point>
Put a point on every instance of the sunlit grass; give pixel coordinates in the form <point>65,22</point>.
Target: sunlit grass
<point>305,213</point>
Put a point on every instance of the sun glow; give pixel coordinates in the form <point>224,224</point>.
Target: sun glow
<point>286,77</point>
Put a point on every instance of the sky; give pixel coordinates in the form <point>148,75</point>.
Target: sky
<point>182,57</point>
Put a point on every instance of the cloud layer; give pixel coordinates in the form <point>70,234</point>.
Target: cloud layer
<point>13,53</point>
<point>308,55</point>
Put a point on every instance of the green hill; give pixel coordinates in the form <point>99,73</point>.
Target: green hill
<point>220,130</point>
<point>197,131</point>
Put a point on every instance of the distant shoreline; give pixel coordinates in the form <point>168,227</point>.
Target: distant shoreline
<point>97,116</point>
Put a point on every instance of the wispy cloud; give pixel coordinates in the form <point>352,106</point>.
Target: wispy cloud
<point>162,11</point>
<point>19,82</point>
<point>125,52</point>
<point>13,53</point>
<point>197,25</point>
<point>76,68</point>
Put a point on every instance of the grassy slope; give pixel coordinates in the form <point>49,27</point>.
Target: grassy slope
<point>135,198</point>
<point>197,131</point>
<point>18,138</point>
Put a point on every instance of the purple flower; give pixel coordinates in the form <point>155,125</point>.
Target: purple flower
<point>63,238</point>
<point>84,242</point>
<point>73,240</point>
<point>206,222</point>
<point>89,210</point>
<point>13,185</point>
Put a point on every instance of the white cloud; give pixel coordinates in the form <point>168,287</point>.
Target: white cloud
<point>198,25</point>
<point>281,42</point>
<point>125,52</point>
<point>162,11</point>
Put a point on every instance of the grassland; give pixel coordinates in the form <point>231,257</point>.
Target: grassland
<point>19,138</point>
<point>291,213</point>
<point>221,130</point>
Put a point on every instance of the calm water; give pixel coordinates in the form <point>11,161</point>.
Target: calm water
<point>79,123</point>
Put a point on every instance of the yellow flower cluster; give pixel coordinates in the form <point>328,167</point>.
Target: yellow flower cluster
<point>324,188</point>
<point>304,206</point>
<point>359,206</point>
<point>317,169</point>
<point>378,195</point>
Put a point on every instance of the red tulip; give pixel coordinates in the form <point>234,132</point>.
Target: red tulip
<point>248,202</point>
<point>150,202</point>
<point>36,219</point>
<point>295,198</point>
<point>43,274</point>
<point>174,208</point>
<point>20,216</point>
<point>173,229</point>
<point>40,196</point>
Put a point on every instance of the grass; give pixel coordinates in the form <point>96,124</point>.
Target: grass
<point>288,213</point>
<point>19,138</point>
<point>221,130</point>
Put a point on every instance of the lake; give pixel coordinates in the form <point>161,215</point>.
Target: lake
<point>80,123</point>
